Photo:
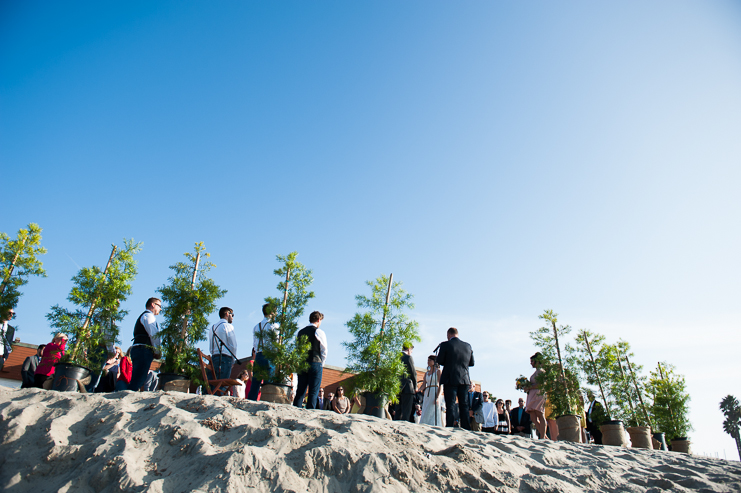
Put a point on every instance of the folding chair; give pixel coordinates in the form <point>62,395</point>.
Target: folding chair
<point>221,386</point>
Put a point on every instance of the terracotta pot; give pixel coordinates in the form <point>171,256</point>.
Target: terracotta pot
<point>613,434</point>
<point>681,445</point>
<point>272,392</point>
<point>640,437</point>
<point>179,385</point>
<point>569,428</point>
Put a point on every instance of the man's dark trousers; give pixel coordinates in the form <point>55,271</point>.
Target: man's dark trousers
<point>311,378</point>
<point>450,392</point>
<point>256,385</point>
<point>141,360</point>
<point>406,406</point>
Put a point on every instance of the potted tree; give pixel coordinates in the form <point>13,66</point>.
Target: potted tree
<point>188,297</point>
<point>283,350</point>
<point>374,354</point>
<point>670,407</point>
<point>98,294</point>
<point>732,424</point>
<point>18,261</point>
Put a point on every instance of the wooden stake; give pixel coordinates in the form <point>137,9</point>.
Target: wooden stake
<point>89,315</point>
<point>285,301</point>
<point>184,329</point>
<point>12,266</point>
<point>596,374</point>
<point>383,320</point>
<point>640,397</point>
<point>560,364</point>
<point>630,401</point>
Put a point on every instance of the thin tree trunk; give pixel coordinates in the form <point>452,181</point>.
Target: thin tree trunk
<point>627,393</point>
<point>560,365</point>
<point>383,320</point>
<point>596,374</point>
<point>285,302</point>
<point>638,391</point>
<point>12,266</point>
<point>184,329</point>
<point>89,315</point>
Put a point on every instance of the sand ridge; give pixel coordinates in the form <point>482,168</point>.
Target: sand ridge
<point>173,442</point>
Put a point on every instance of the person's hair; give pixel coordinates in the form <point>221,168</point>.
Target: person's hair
<point>58,335</point>
<point>150,302</point>
<point>433,358</point>
<point>407,345</point>
<point>538,357</point>
<point>508,401</point>
<point>128,352</point>
<point>452,331</point>
<point>315,317</point>
<point>224,310</point>
<point>498,401</point>
<point>340,387</point>
<point>267,309</point>
<point>41,346</point>
<point>243,373</point>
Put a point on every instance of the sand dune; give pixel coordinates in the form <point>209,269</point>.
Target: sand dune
<point>174,442</point>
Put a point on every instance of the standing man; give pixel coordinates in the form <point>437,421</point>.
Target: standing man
<point>146,343</point>
<point>520,419</point>
<point>408,386</point>
<point>595,417</point>
<point>474,404</point>
<point>317,355</point>
<point>7,333</point>
<point>28,370</point>
<point>455,357</point>
<point>223,344</point>
<point>260,340</point>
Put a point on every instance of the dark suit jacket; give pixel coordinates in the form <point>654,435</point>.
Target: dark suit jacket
<point>8,342</point>
<point>524,421</point>
<point>27,371</point>
<point>476,401</point>
<point>455,357</point>
<point>408,381</point>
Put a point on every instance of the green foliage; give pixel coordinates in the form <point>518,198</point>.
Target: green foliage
<point>561,387</point>
<point>592,372</point>
<point>620,383</point>
<point>18,261</point>
<point>284,351</point>
<point>375,357</point>
<point>732,424</point>
<point>90,287</point>
<point>186,307</point>
<point>670,409</point>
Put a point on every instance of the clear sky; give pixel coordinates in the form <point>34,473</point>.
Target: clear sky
<point>499,158</point>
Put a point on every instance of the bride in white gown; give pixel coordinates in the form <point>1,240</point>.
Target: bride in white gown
<point>432,412</point>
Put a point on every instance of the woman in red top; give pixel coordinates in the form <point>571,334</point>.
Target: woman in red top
<point>52,353</point>
<point>124,372</point>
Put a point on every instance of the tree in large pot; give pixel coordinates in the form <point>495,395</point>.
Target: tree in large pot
<point>283,350</point>
<point>18,261</point>
<point>670,408</point>
<point>557,380</point>
<point>188,298</point>
<point>379,333</point>
<point>92,327</point>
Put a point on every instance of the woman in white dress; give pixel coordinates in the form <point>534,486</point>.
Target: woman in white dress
<point>432,390</point>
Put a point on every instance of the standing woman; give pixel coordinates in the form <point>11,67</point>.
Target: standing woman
<point>431,390</point>
<point>52,353</point>
<point>535,406</point>
<point>503,424</point>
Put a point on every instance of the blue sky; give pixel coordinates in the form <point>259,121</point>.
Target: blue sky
<point>498,158</point>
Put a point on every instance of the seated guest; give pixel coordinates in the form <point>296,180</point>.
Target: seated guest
<point>503,426</point>
<point>29,368</point>
<point>320,400</point>
<point>491,418</point>
<point>358,404</point>
<point>328,403</point>
<point>52,353</point>
<point>520,419</point>
<point>109,376</point>
<point>341,404</point>
<point>125,368</point>
<point>242,390</point>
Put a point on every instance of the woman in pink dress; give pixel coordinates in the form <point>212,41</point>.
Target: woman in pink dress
<point>535,406</point>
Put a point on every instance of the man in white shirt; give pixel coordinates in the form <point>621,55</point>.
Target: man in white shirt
<point>146,343</point>
<point>261,340</point>
<point>317,355</point>
<point>7,332</point>
<point>223,344</point>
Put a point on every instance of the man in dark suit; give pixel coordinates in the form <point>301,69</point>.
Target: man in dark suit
<point>455,357</point>
<point>28,369</point>
<point>520,419</point>
<point>595,417</point>
<point>475,402</point>
<point>408,386</point>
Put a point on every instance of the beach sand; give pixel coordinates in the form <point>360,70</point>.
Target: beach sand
<point>174,442</point>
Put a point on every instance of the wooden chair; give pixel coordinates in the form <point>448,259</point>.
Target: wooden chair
<point>221,386</point>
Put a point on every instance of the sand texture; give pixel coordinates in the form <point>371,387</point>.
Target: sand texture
<point>173,442</point>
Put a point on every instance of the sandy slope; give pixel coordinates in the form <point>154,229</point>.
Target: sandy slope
<point>173,442</point>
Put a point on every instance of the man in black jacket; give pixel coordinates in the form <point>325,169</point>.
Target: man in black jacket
<point>312,377</point>
<point>7,333</point>
<point>455,357</point>
<point>408,386</point>
<point>595,417</point>
<point>475,402</point>
<point>520,419</point>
